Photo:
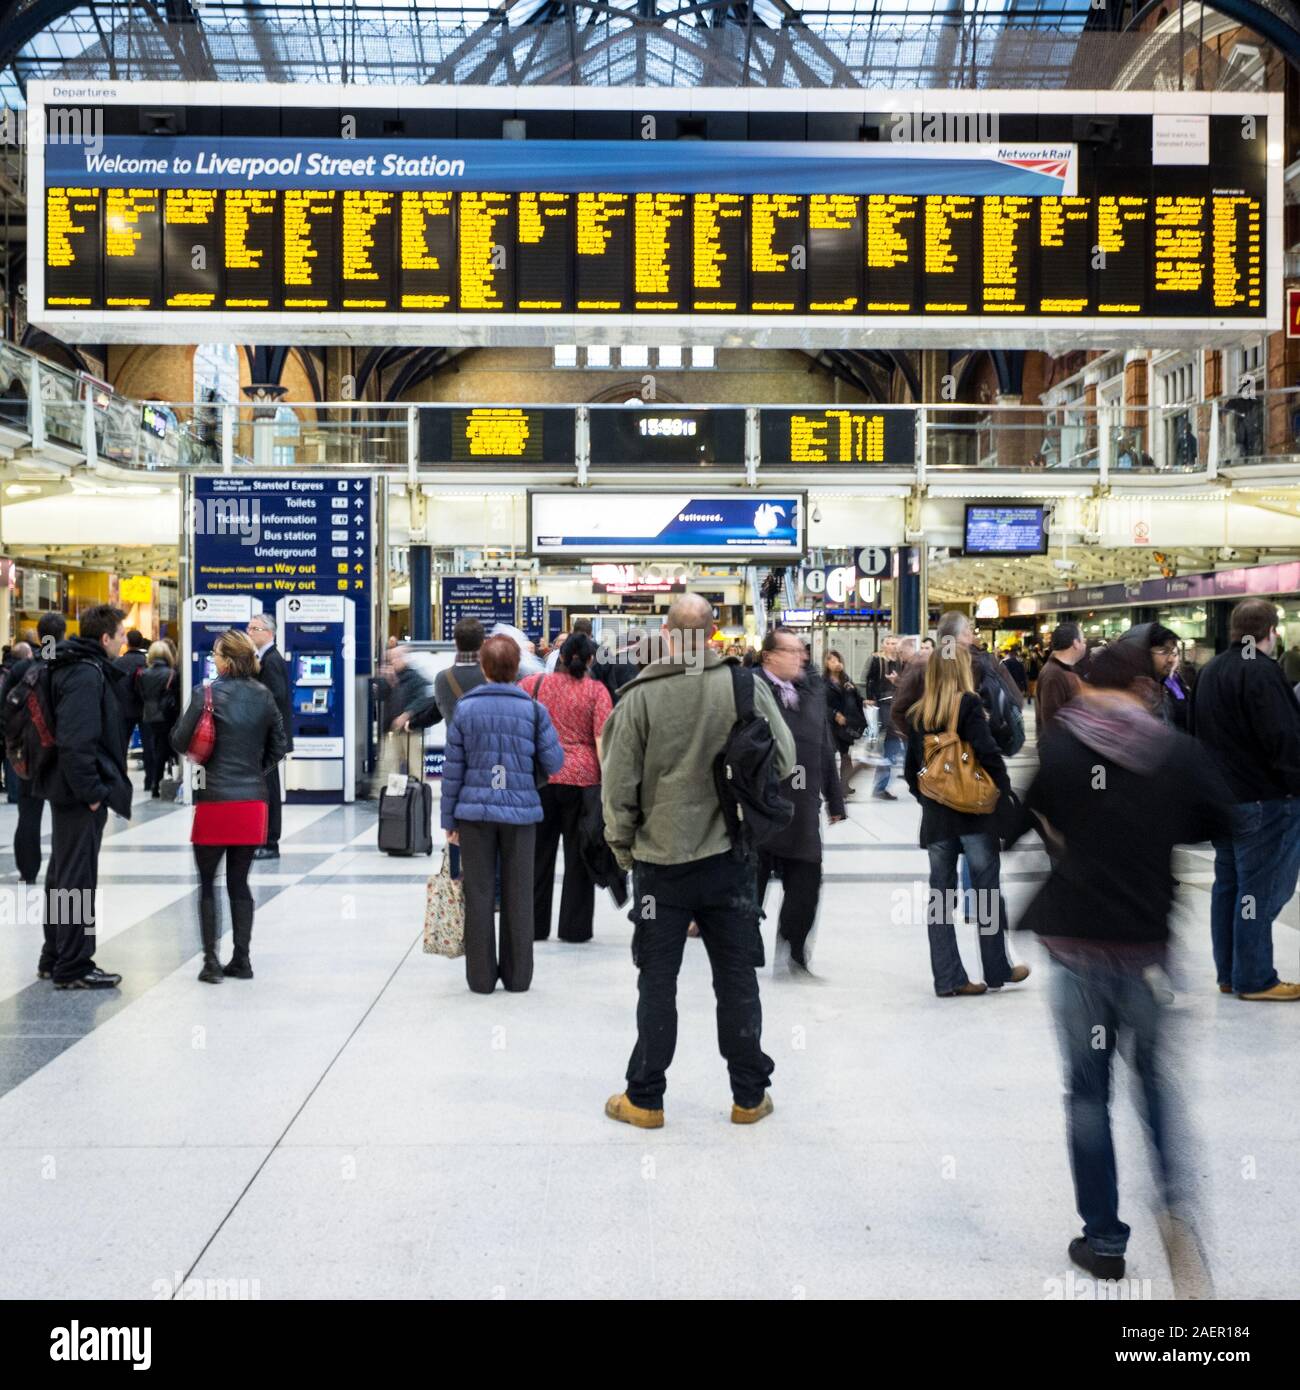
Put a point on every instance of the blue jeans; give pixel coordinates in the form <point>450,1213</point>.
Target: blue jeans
<point>1098,1007</point>
<point>892,749</point>
<point>1254,876</point>
<point>982,856</point>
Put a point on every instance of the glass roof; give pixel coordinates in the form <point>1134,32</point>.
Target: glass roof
<point>885,43</point>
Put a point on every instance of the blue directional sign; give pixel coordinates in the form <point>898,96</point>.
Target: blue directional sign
<point>272,536</point>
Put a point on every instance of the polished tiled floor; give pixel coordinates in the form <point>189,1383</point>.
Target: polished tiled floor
<point>354,1123</point>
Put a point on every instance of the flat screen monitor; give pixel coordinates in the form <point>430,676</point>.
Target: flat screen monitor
<point>1005,530</point>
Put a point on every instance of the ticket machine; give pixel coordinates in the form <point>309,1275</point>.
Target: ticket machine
<point>205,618</point>
<point>316,637</point>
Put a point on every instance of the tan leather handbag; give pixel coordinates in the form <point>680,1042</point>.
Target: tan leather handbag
<point>952,775</point>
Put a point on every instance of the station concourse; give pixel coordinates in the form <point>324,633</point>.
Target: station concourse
<point>366,368</point>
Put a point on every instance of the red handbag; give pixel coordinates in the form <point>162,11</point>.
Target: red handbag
<point>204,738</point>
<point>229,823</point>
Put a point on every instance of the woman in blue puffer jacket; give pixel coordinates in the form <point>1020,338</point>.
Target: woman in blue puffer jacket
<point>490,808</point>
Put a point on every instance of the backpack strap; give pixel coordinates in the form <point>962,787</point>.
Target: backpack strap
<point>454,683</point>
<point>742,688</point>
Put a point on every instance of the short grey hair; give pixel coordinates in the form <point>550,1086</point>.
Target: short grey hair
<point>952,624</point>
<point>266,620</point>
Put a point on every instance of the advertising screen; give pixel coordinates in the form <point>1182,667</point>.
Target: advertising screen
<point>736,524</point>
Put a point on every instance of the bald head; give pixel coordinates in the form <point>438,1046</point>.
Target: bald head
<point>21,651</point>
<point>688,626</point>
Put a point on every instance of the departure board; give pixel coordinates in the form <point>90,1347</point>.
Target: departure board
<point>835,268</point>
<point>1064,249</point>
<point>543,266</point>
<point>1121,256</point>
<point>132,248</point>
<point>851,435</point>
<point>309,224</point>
<point>191,236</point>
<point>893,231</point>
<point>73,237</point>
<point>603,241</point>
<point>426,250</point>
<point>366,249</point>
<point>778,253</point>
<point>497,435</point>
<point>1006,233</point>
<point>1236,269</point>
<point>949,274</point>
<point>659,261</point>
<point>249,220</point>
<point>800,238</point>
<point>718,238</point>
<point>486,237</point>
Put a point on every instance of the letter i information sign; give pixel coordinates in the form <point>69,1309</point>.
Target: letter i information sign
<point>268,537</point>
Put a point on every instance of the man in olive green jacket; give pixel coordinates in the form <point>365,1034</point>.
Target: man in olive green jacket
<point>663,820</point>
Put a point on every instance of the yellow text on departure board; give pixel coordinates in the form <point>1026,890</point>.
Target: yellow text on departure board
<point>422,211</point>
<point>498,433</point>
<point>366,219</point>
<point>542,218</point>
<point>598,214</point>
<point>657,217</point>
<point>1235,250</point>
<point>773,215</point>
<point>837,436</point>
<point>305,269</point>
<point>1057,218</point>
<point>1119,227</point>
<point>1179,245</point>
<point>1006,251</point>
<point>66,214</point>
<point>715,214</point>
<point>241,206</point>
<point>483,220</point>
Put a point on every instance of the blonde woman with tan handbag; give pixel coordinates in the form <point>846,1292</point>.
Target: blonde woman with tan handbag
<point>954,769</point>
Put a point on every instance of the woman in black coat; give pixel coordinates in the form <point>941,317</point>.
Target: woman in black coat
<point>249,742</point>
<point>847,717</point>
<point>948,834</point>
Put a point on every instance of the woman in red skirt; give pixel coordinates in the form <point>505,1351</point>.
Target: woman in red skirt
<point>233,730</point>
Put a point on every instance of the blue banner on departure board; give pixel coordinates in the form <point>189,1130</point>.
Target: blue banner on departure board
<point>491,601</point>
<point>533,615</point>
<point>270,537</point>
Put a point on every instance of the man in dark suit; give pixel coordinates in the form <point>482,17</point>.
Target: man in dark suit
<point>274,674</point>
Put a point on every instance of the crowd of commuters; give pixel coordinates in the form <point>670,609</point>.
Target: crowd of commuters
<point>619,753</point>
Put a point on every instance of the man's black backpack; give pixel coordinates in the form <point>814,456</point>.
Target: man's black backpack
<point>28,721</point>
<point>1006,723</point>
<point>744,773</point>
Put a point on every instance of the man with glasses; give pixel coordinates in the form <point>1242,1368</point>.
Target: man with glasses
<point>273,672</point>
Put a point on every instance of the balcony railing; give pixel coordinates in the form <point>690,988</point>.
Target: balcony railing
<point>48,412</point>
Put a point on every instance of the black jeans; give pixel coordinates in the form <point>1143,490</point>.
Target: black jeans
<point>239,860</point>
<point>27,833</point>
<point>71,882</point>
<point>154,741</point>
<point>801,884</point>
<point>481,841</point>
<point>718,894</point>
<point>984,908</point>
<point>562,818</point>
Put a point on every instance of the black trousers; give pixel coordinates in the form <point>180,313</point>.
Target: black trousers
<point>71,882</point>
<point>239,860</point>
<point>718,894</point>
<point>153,739</point>
<point>274,804</point>
<point>562,818</point>
<point>27,833</point>
<point>481,842</point>
<point>801,884</point>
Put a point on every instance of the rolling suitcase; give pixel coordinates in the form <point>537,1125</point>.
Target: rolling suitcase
<point>406,817</point>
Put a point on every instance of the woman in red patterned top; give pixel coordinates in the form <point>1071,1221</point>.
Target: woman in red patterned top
<point>578,706</point>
